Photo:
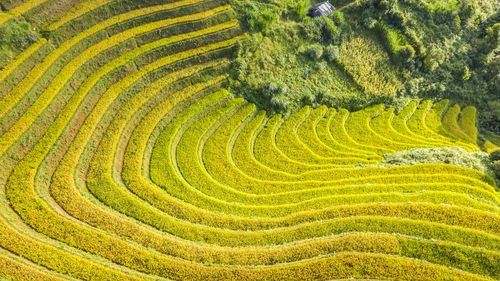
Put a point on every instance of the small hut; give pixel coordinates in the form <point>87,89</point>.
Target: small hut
<point>321,9</point>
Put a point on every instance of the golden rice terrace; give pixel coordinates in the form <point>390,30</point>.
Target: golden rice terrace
<point>123,158</point>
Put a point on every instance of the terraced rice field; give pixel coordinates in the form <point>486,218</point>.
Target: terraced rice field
<point>122,158</point>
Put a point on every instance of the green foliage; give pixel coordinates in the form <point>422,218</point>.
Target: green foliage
<point>299,8</point>
<point>454,46</point>
<point>370,22</point>
<point>493,34</point>
<point>310,30</point>
<point>466,73</point>
<point>444,6</point>
<point>323,30</point>
<point>338,18</point>
<point>256,16</point>
<point>302,8</point>
<point>495,155</point>
<point>457,22</point>
<point>406,53</point>
<point>274,93</point>
<point>239,67</point>
<point>315,51</point>
<point>283,56</point>
<point>273,88</point>
<point>15,35</point>
<point>332,53</point>
<point>496,169</point>
<point>495,163</point>
<point>396,43</point>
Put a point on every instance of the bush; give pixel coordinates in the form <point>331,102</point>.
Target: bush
<point>496,169</point>
<point>310,30</point>
<point>301,8</point>
<point>369,22</point>
<point>430,64</point>
<point>239,68</point>
<point>395,42</point>
<point>495,163</point>
<point>256,18</point>
<point>406,53</point>
<point>279,105</point>
<point>322,30</point>
<point>495,155</point>
<point>337,18</point>
<point>315,51</point>
<point>492,35</point>
<point>457,22</point>
<point>332,53</point>
<point>322,95</point>
<point>307,99</point>
<point>319,66</point>
<point>396,18</point>
<point>329,31</point>
<point>466,73</point>
<point>274,88</point>
<point>15,36</point>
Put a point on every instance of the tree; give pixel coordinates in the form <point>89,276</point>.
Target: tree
<point>406,53</point>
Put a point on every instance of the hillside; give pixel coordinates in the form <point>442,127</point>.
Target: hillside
<point>369,52</point>
<point>175,140</point>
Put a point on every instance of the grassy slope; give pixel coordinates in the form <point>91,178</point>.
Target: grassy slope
<point>274,58</point>
<point>453,48</point>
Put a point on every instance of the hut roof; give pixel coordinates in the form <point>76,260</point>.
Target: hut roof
<point>321,9</point>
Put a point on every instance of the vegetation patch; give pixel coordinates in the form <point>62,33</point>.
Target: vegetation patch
<point>280,72</point>
<point>437,49</point>
<point>369,66</point>
<point>446,155</point>
<point>15,35</point>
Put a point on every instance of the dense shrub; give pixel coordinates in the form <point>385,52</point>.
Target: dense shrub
<point>320,65</point>
<point>495,155</point>
<point>338,18</point>
<point>239,68</point>
<point>15,36</point>
<point>395,42</point>
<point>298,9</point>
<point>322,30</point>
<point>274,88</point>
<point>332,53</point>
<point>278,104</point>
<point>496,169</point>
<point>308,99</point>
<point>369,22</point>
<point>315,51</point>
<point>495,159</point>
<point>310,30</point>
<point>406,53</point>
<point>255,16</point>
